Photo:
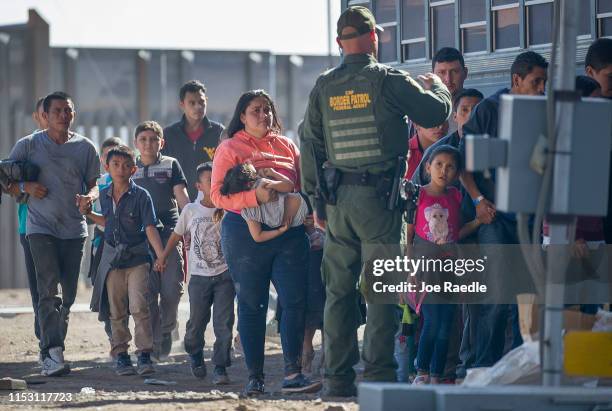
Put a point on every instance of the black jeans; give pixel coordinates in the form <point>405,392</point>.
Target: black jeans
<point>57,262</point>
<point>206,293</point>
<point>29,263</point>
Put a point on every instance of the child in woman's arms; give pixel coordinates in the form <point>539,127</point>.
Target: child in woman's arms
<point>287,211</point>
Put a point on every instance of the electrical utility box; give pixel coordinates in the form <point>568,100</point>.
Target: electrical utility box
<point>522,129</point>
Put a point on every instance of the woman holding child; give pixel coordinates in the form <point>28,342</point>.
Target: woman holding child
<point>256,167</point>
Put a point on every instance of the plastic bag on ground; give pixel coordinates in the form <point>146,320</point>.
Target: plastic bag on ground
<point>603,321</point>
<point>521,363</point>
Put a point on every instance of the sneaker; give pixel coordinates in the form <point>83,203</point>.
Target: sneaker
<point>124,365</point>
<point>198,368</point>
<point>421,379</point>
<point>344,391</point>
<point>145,366</point>
<point>220,376</point>
<point>254,387</point>
<point>53,364</point>
<point>166,345</point>
<point>300,384</point>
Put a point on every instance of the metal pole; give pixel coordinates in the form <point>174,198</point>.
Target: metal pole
<point>557,255</point>
<point>272,75</point>
<point>330,59</point>
<point>163,83</point>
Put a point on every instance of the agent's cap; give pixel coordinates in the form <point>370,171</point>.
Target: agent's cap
<point>358,17</point>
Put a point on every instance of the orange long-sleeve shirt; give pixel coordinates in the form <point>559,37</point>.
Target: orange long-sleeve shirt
<point>272,151</point>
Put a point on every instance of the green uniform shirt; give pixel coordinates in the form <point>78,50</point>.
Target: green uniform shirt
<point>355,118</point>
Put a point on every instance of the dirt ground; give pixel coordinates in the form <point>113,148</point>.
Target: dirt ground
<point>93,383</point>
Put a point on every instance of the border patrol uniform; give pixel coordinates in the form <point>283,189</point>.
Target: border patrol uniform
<point>355,122</point>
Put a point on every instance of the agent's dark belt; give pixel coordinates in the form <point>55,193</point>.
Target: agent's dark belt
<point>360,179</point>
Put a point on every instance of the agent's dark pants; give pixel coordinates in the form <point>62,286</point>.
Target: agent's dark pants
<point>216,292</point>
<point>284,261</point>
<point>57,262</point>
<point>31,269</point>
<point>360,217</point>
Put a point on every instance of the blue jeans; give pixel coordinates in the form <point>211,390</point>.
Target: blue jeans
<point>284,261</point>
<point>493,319</point>
<point>433,344</point>
<point>404,353</point>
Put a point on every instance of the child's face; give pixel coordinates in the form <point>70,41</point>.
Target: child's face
<point>120,168</point>
<point>464,109</point>
<point>148,143</point>
<point>105,151</point>
<point>603,77</point>
<point>203,183</point>
<point>431,135</point>
<point>443,169</point>
<point>194,105</point>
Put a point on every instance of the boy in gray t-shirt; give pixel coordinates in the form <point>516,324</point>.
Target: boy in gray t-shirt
<point>289,210</point>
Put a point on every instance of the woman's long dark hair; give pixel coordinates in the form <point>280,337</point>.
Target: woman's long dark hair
<point>245,99</point>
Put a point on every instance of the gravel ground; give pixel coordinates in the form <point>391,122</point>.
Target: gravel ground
<point>93,383</point>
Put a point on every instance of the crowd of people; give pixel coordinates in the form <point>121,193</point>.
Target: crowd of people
<point>235,209</point>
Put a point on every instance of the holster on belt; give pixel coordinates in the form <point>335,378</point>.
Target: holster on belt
<point>387,184</point>
<point>332,178</point>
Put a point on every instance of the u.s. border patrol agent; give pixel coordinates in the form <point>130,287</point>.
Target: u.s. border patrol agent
<point>355,124</point>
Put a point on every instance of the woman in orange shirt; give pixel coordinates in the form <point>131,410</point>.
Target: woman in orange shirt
<point>254,137</point>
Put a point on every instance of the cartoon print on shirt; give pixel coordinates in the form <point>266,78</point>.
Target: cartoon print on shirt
<point>437,222</point>
<point>206,246</point>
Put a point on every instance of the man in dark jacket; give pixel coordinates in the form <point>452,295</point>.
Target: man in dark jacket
<point>528,73</point>
<point>194,138</point>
